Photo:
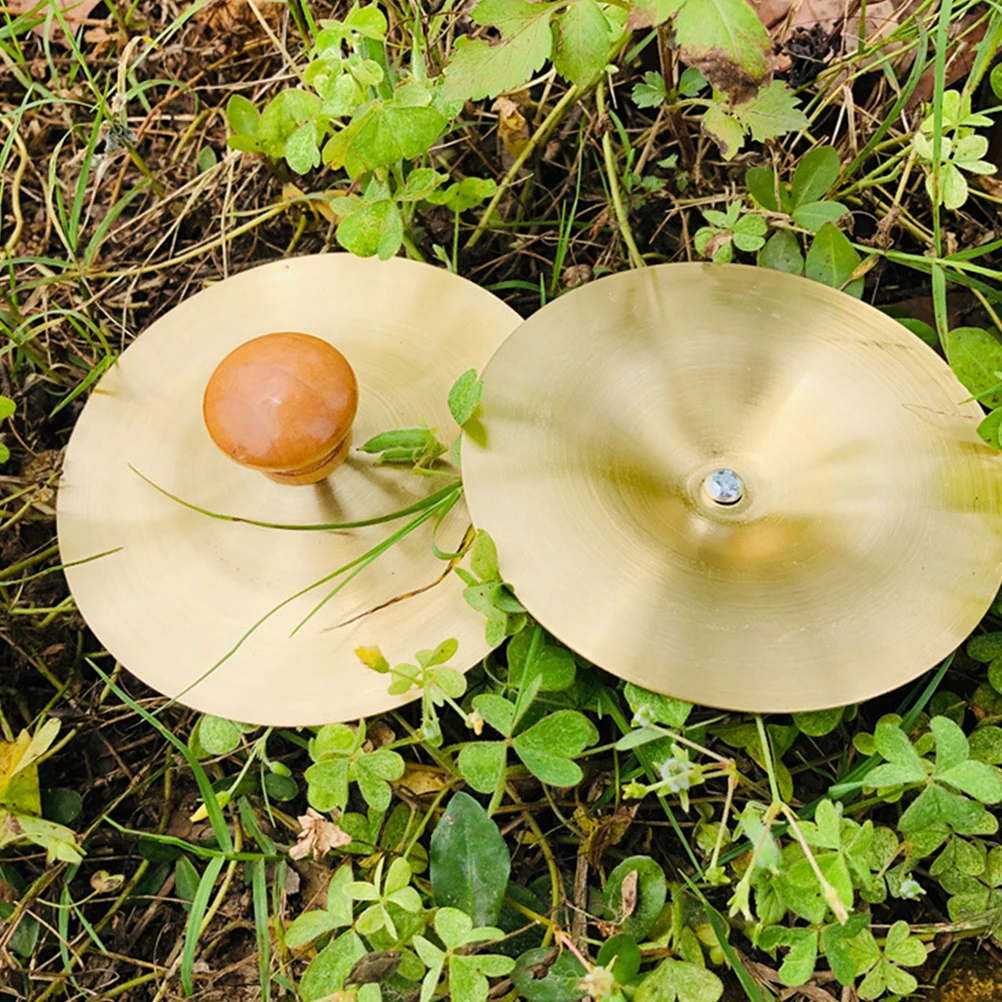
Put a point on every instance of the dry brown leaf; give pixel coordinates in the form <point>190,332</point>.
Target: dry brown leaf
<point>762,973</point>
<point>229,16</point>
<point>807,993</point>
<point>100,40</point>
<point>809,12</point>
<point>791,20</point>
<point>421,781</point>
<point>603,832</point>
<point>512,127</point>
<point>628,895</point>
<point>104,882</point>
<point>321,206</point>
<point>379,734</point>
<point>374,967</point>
<point>575,275</point>
<point>318,836</point>
<point>75,12</point>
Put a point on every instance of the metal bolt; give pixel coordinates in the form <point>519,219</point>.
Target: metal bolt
<point>724,487</point>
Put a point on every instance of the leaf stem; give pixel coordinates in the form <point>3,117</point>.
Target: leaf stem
<point>831,895</point>
<point>556,884</point>
<point>767,758</point>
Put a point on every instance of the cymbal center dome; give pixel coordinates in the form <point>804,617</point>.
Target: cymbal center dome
<point>724,487</point>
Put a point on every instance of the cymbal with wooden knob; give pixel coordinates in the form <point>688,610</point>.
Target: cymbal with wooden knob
<point>178,590</point>
<point>737,487</point>
<point>283,404</point>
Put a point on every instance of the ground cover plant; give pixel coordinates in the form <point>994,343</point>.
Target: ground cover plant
<point>534,829</point>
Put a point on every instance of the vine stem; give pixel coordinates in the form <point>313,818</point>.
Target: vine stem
<point>636,261</point>
<point>732,783</point>
<point>556,885</point>
<point>831,895</point>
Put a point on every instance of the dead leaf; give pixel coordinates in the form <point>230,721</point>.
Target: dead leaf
<point>575,275</point>
<point>374,967</point>
<point>882,18</point>
<point>628,895</point>
<point>75,13</point>
<point>321,204</point>
<point>100,40</point>
<point>513,129</point>
<point>783,17</point>
<point>230,16</point>
<point>380,734</point>
<point>420,781</point>
<point>717,241</point>
<point>809,993</point>
<point>104,882</point>
<point>603,832</point>
<point>10,830</point>
<point>318,836</point>
<point>810,29</point>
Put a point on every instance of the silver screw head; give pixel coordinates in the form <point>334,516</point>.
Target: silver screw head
<point>724,487</point>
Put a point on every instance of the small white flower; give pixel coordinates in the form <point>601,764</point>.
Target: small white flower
<point>675,774</point>
<point>644,717</point>
<point>598,983</point>
<point>910,889</point>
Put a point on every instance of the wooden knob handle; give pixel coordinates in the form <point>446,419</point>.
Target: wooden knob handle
<point>283,404</point>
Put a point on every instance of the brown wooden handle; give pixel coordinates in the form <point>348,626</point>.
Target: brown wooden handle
<point>283,404</point>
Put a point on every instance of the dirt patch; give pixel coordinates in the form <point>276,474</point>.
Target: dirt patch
<point>973,975</point>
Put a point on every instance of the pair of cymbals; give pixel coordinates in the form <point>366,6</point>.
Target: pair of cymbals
<point>719,482</point>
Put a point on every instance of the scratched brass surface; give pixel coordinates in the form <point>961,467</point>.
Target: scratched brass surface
<point>867,545</point>
<point>183,588</point>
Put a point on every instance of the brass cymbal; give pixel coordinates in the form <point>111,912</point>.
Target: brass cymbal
<point>182,588</point>
<point>737,487</point>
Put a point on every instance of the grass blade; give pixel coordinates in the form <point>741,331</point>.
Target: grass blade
<point>429,501</point>
<point>259,889</point>
<point>193,932</point>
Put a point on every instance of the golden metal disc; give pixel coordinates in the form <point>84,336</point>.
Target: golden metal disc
<point>182,588</point>
<point>867,542</point>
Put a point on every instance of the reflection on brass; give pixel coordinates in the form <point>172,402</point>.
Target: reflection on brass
<point>864,544</point>
<point>183,588</point>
